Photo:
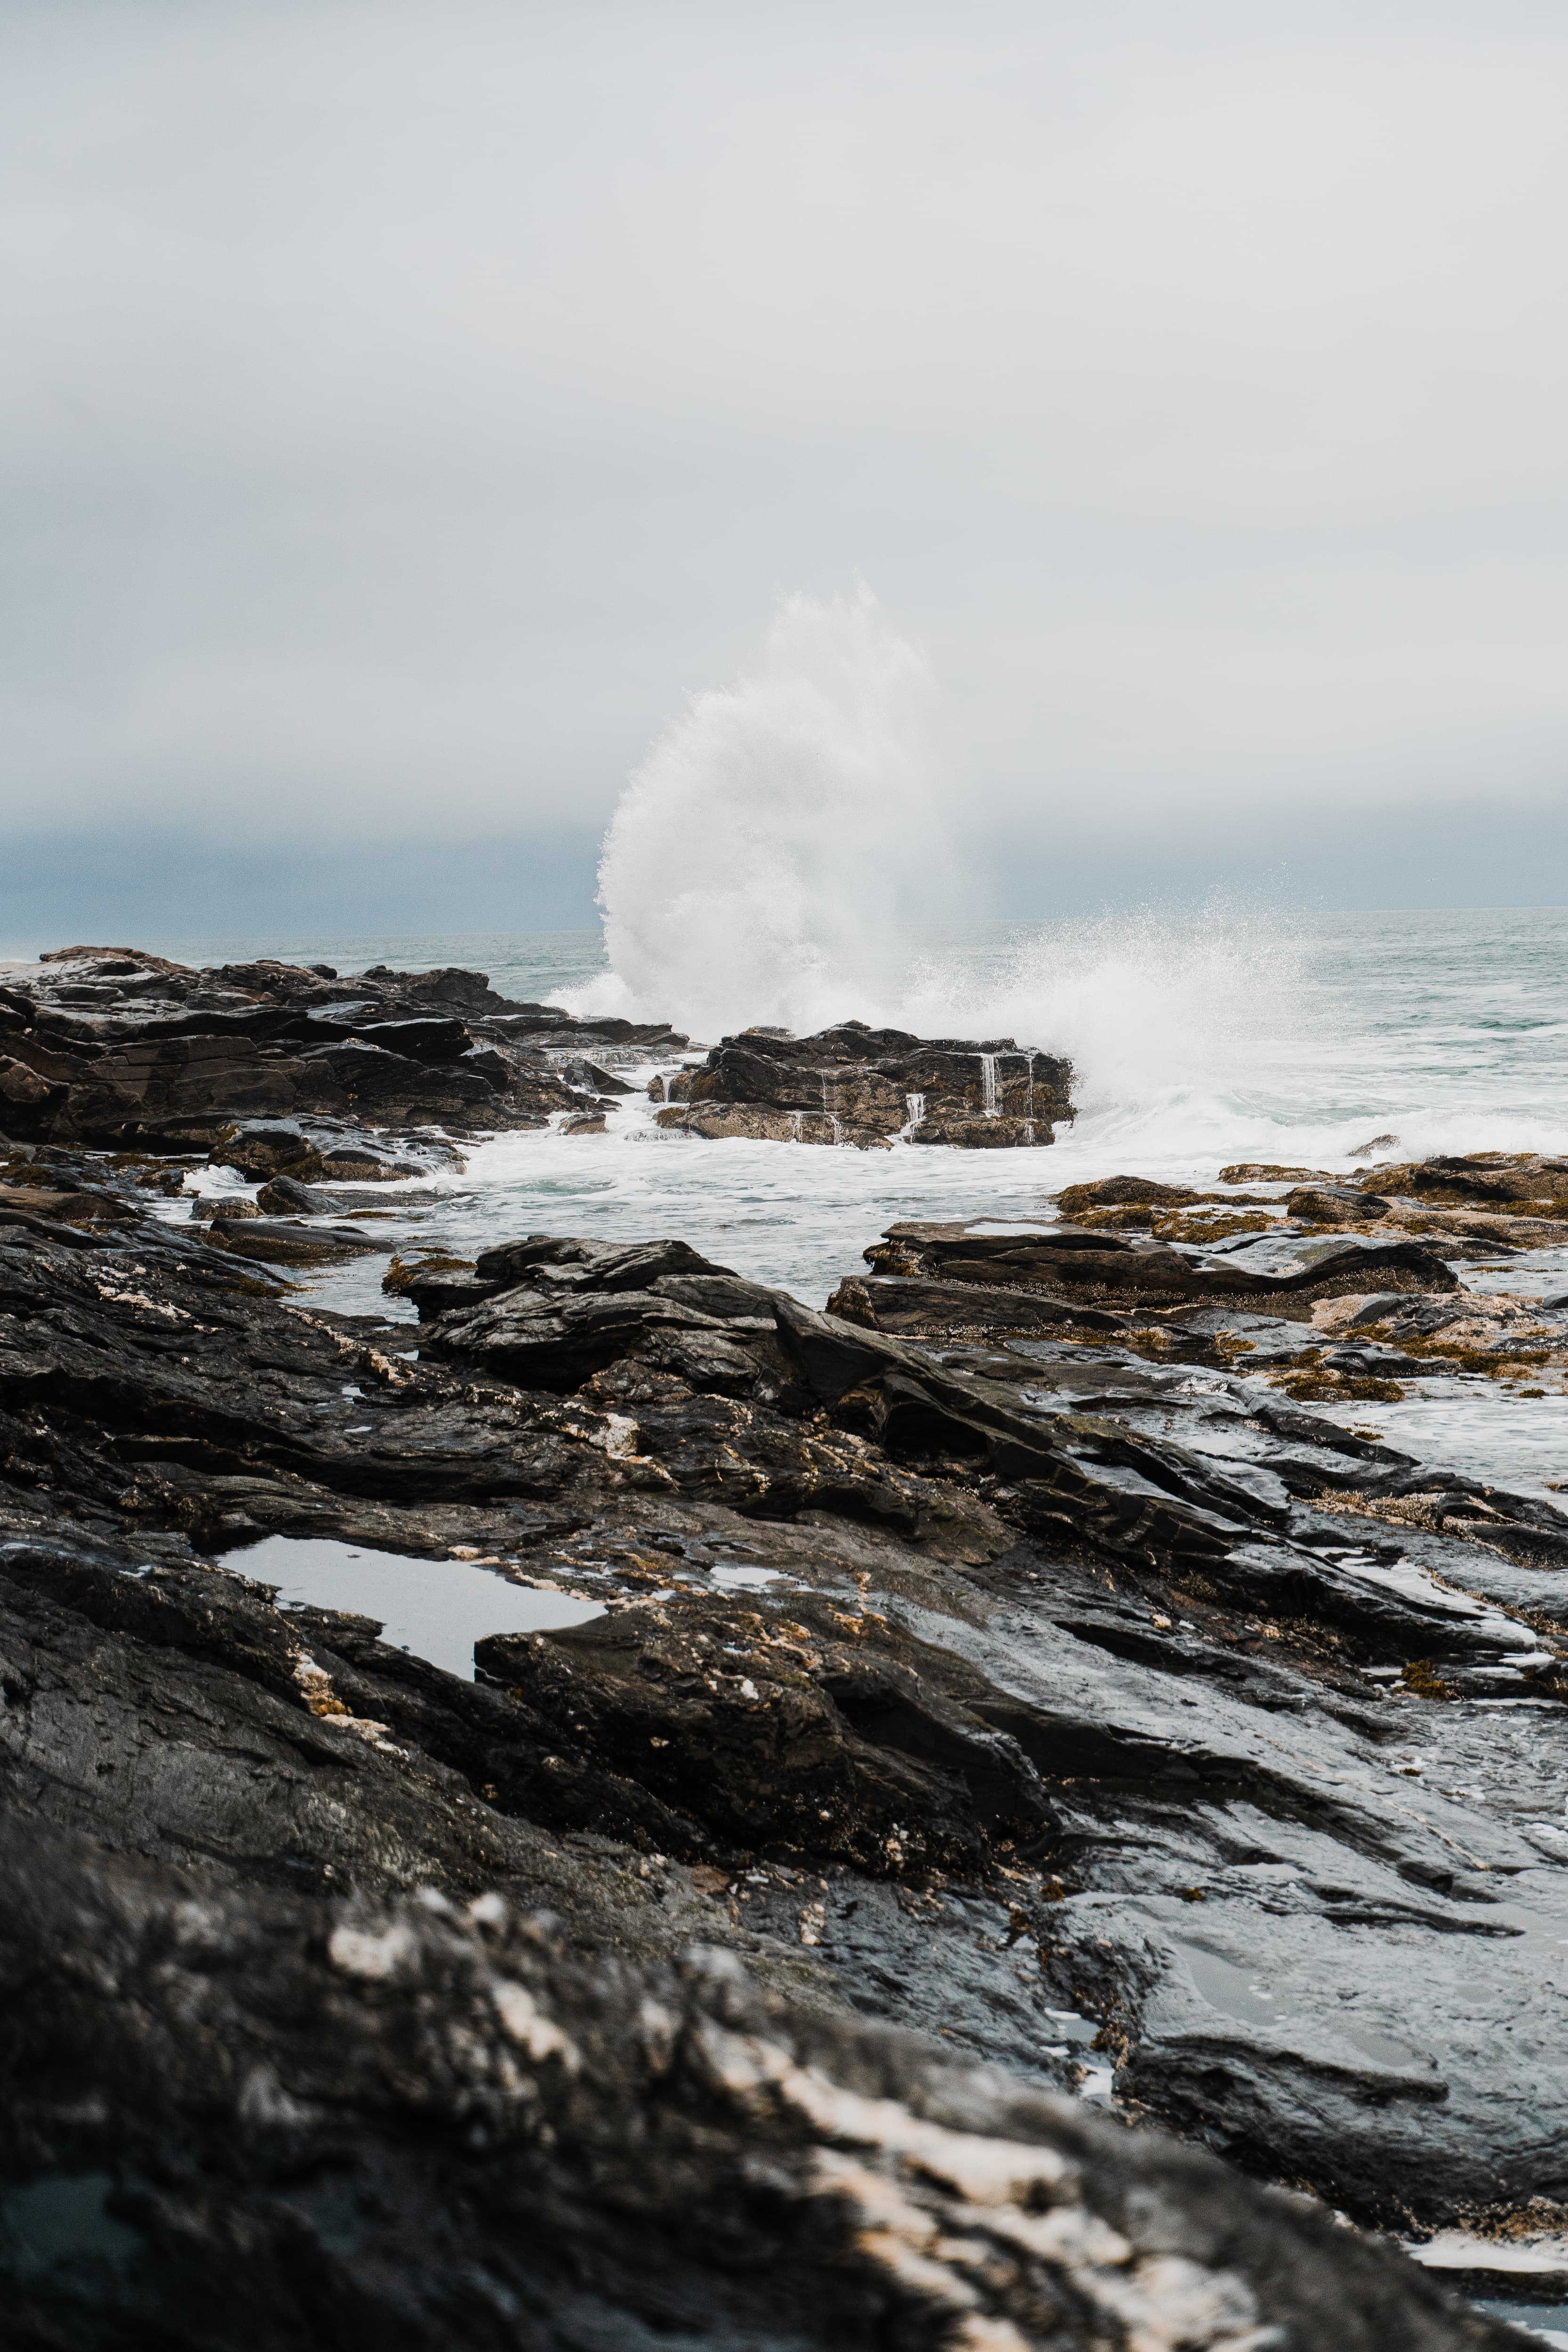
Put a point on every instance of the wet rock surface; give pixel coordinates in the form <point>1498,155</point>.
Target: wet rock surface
<point>853,1084</point>
<point>995,1657</point>
<point>111,1046</point>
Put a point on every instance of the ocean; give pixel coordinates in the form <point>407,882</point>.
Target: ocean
<point>1199,1039</point>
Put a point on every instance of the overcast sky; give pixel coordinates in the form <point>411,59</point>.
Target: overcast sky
<point>403,409</point>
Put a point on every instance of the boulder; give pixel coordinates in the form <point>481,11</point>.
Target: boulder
<point>1124,1191</point>
<point>853,1084</point>
<point>285,1196</point>
<point>1335,1204</point>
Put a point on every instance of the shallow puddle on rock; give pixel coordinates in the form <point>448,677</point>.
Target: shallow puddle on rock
<point>1237,1993</point>
<point>436,1608</point>
<point>1227,1988</point>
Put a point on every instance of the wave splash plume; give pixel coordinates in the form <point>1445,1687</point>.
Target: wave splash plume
<point>785,843</point>
<point>767,858</point>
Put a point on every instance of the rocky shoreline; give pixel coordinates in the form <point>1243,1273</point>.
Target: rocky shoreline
<point>1000,1711</point>
<point>102,1045</point>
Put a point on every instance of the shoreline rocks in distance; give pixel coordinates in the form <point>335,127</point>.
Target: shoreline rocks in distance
<point>116,1046</point>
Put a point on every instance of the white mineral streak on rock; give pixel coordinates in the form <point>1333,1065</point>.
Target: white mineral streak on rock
<point>947,2250</point>
<point>978,2334</point>
<point>532,2026</point>
<point>316,1685</point>
<point>375,1954</point>
<point>659,2027</point>
<point>140,1298</point>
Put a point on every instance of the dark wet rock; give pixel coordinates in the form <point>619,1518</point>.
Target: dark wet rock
<point>280,1241</point>
<point>1481,1177</point>
<point>284,1196</point>
<point>1096,1265</point>
<point>980,1134</point>
<point>559,1264</point>
<point>258,1152</point>
<point>853,1084</point>
<point>716,1122</point>
<point>591,1079</point>
<point>1025,1680</point>
<point>1335,1204</point>
<point>1124,1192</point>
<point>99,1047</point>
<point>359,1163</point>
<point>437,2121</point>
<point>796,1726</point>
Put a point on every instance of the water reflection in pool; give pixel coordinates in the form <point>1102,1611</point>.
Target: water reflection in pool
<point>436,1608</point>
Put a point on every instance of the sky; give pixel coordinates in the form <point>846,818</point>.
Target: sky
<point>404,411</point>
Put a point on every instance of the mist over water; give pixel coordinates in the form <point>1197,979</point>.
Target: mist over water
<point>787,854</point>
<point>767,858</point>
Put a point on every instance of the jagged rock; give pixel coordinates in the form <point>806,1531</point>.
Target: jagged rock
<point>980,1134</point>
<point>763,1710</point>
<point>284,1196</point>
<point>99,1047</point>
<point>370,2117</point>
<point>1096,1265</point>
<point>1087,1662</point>
<point>279,1242</point>
<point>852,1084</point>
<point>715,1121</point>
<point>1480,1176</point>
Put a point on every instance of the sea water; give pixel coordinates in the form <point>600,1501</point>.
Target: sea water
<point>1197,1041</point>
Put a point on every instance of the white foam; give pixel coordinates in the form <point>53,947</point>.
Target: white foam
<point>765,859</point>
<point>776,856</point>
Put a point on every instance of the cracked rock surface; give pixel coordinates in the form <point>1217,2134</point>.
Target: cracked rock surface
<point>985,1706</point>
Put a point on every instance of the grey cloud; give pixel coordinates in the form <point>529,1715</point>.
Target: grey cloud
<point>404,408</point>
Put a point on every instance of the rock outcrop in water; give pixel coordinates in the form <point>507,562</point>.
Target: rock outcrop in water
<point>987,1657</point>
<point>104,1046</point>
<point>852,1084</point>
<point>110,1046</point>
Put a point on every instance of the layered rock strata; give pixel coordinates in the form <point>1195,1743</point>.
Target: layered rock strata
<point>111,1046</point>
<point>1114,1723</point>
<point>852,1084</point>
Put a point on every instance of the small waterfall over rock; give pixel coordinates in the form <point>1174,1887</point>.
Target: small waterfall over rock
<point>990,1101</point>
